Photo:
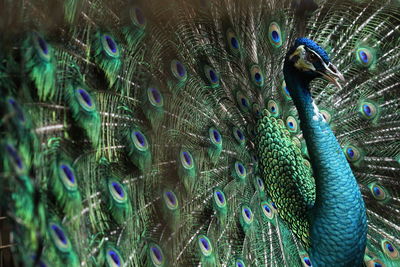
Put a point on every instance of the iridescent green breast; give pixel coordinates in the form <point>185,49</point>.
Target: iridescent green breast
<point>288,178</point>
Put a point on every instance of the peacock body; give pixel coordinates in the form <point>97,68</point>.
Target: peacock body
<point>192,133</point>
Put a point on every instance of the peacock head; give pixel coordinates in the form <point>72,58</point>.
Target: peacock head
<point>310,61</point>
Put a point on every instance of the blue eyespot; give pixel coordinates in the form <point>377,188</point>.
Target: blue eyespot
<point>307,261</point>
<point>256,75</point>
<point>156,255</point>
<point>59,233</point>
<point>155,97</point>
<point>377,264</point>
<point>233,41</point>
<point>390,250</point>
<point>238,134</point>
<point>139,140</point>
<point>109,45</point>
<point>274,206</point>
<point>247,215</point>
<point>292,124</point>
<point>267,210</point>
<point>84,99</point>
<point>186,160</point>
<point>240,263</point>
<point>43,45</point>
<point>242,101</point>
<point>273,108</point>
<point>285,91</point>
<point>42,48</point>
<point>117,192</point>
<point>113,258</point>
<point>211,75</point>
<point>378,192</point>
<point>260,184</point>
<point>326,115</point>
<point>368,110</point>
<point>256,110</point>
<point>15,158</point>
<point>170,200</point>
<point>352,153</point>
<point>138,17</point>
<point>59,238</point>
<point>205,245</point>
<point>17,109</point>
<point>215,136</point>
<point>275,36</point>
<point>365,56</point>
<point>67,176</point>
<point>219,198</point>
<point>178,70</point>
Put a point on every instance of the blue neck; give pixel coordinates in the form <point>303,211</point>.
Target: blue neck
<point>338,218</point>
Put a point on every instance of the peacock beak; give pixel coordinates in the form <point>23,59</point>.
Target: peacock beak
<point>332,74</point>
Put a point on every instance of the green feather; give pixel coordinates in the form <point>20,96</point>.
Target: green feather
<point>107,55</point>
<point>83,107</point>
<point>40,65</point>
<point>138,148</point>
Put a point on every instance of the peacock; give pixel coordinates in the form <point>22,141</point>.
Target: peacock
<point>200,133</point>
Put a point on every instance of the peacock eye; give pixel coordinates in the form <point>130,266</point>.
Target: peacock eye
<point>117,192</point>
<point>109,45</point>
<point>170,200</point>
<point>390,250</point>
<point>239,136</point>
<point>256,75</point>
<point>247,214</point>
<point>242,101</point>
<point>139,140</point>
<point>240,263</point>
<point>352,153</point>
<point>14,157</point>
<point>186,160</point>
<point>364,56</point>
<point>138,17</point>
<point>67,176</point>
<point>326,115</point>
<point>219,198</point>
<point>368,110</point>
<point>178,70</point>
<point>291,124</point>
<point>17,109</point>
<point>215,136</point>
<point>59,238</point>
<point>307,261</point>
<point>285,91</point>
<point>113,258</point>
<point>205,245</point>
<point>273,108</point>
<point>155,97</point>
<point>240,170</point>
<point>256,110</point>
<point>233,41</point>
<point>211,75</point>
<point>260,184</point>
<point>42,48</point>
<point>378,192</point>
<point>156,255</point>
<point>274,34</point>
<point>84,99</point>
<point>267,210</point>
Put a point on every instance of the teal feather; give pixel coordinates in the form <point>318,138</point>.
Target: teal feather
<point>166,133</point>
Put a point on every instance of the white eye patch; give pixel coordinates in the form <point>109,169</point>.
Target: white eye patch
<point>302,63</point>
